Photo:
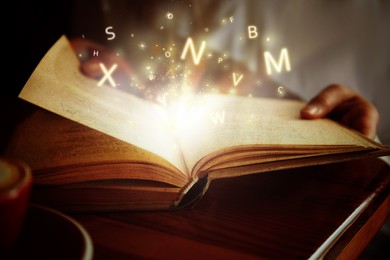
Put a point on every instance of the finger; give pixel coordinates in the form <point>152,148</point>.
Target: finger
<point>326,101</point>
<point>91,68</point>
<point>84,46</point>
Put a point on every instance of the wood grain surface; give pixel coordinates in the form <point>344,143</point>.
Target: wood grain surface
<point>286,214</point>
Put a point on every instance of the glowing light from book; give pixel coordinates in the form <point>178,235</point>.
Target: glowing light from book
<point>185,119</point>
<point>278,66</point>
<point>162,99</point>
<point>235,80</point>
<point>131,124</point>
<point>233,91</point>
<point>107,74</point>
<point>251,119</point>
<point>218,117</point>
<point>190,45</point>
<point>171,77</point>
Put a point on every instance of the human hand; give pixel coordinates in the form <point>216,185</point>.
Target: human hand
<point>92,54</point>
<point>344,106</point>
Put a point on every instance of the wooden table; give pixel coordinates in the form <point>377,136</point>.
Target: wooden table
<point>328,211</point>
<point>324,211</point>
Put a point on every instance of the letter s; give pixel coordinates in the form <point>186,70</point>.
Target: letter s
<point>110,33</point>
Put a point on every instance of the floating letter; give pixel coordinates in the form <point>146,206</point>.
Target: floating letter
<point>111,33</point>
<point>252,31</point>
<point>107,75</point>
<point>283,59</point>
<point>190,44</point>
<point>235,80</point>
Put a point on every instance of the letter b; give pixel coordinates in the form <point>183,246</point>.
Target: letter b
<point>252,32</point>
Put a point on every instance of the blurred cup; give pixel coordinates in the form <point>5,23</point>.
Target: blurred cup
<point>15,184</point>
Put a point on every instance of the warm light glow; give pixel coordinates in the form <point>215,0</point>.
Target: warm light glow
<point>185,118</point>
<point>166,75</point>
<point>218,117</point>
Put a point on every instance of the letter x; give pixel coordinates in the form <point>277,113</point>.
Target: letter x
<point>107,75</point>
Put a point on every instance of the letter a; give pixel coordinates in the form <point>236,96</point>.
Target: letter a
<point>190,44</point>
<point>283,58</point>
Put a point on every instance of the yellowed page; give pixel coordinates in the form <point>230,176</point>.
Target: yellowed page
<point>58,86</point>
<point>51,143</point>
<point>217,122</point>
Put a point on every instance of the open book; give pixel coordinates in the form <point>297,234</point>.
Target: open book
<point>97,148</point>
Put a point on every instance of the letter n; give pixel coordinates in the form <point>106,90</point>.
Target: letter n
<point>195,57</point>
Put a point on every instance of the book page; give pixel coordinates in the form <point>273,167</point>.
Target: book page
<point>58,86</point>
<point>75,153</point>
<point>224,121</point>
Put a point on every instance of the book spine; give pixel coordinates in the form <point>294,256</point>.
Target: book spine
<point>193,193</point>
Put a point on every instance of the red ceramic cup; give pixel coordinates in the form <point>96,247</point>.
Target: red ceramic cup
<point>15,183</point>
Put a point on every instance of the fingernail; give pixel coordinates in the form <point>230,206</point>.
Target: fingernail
<point>312,109</point>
